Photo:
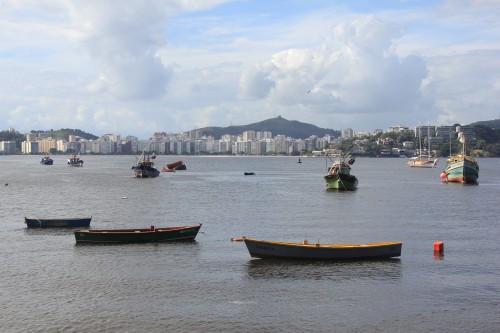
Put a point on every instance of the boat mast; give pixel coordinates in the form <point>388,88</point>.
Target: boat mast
<point>419,143</point>
<point>428,142</point>
<point>449,132</point>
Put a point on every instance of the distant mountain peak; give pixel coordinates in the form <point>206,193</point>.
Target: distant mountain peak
<point>277,126</point>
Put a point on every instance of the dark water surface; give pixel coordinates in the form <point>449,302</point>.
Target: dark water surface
<point>50,284</point>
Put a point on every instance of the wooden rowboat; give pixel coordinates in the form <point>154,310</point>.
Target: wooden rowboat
<point>304,250</point>
<point>78,222</point>
<point>152,234</point>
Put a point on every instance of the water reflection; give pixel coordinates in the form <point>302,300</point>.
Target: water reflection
<point>176,243</point>
<point>389,269</point>
<point>50,231</point>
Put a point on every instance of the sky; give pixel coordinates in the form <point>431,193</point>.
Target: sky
<point>139,67</point>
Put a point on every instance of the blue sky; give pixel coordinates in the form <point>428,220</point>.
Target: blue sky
<point>147,66</point>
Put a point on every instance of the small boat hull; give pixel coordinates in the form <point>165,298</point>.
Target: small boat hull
<point>463,170</point>
<point>341,182</point>
<point>178,165</point>
<point>47,161</point>
<point>423,163</point>
<point>58,223</point>
<point>174,165</point>
<point>142,171</point>
<point>151,235</point>
<point>285,250</point>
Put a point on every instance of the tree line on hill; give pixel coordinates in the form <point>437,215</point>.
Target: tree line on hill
<point>487,143</point>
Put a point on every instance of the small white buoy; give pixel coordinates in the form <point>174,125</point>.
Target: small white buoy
<point>124,197</point>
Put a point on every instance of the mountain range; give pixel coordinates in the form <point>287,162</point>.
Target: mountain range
<point>276,126</point>
<point>297,129</point>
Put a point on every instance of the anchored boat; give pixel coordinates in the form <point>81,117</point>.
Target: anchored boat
<point>144,167</point>
<point>339,173</point>
<point>461,168</point>
<point>286,250</point>
<point>46,160</point>
<point>423,160</point>
<point>77,222</point>
<point>152,234</point>
<point>74,160</point>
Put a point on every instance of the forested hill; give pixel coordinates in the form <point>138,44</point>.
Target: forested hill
<point>276,126</point>
<point>488,123</point>
<point>64,133</point>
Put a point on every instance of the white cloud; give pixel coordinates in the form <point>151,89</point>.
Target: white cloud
<point>174,65</point>
<point>355,72</point>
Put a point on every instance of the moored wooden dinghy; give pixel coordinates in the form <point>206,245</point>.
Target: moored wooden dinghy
<point>171,167</point>
<point>149,235</point>
<point>304,250</point>
<point>178,165</point>
<point>78,222</point>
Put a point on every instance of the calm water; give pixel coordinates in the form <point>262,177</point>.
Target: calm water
<point>49,284</point>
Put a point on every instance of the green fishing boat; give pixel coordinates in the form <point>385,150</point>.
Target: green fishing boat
<point>149,235</point>
<point>461,168</point>
<point>339,174</point>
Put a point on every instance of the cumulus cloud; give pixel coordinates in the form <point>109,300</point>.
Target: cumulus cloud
<point>124,40</point>
<point>173,65</point>
<point>355,71</point>
<point>465,87</point>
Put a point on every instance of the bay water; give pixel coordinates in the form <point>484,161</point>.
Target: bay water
<point>51,284</point>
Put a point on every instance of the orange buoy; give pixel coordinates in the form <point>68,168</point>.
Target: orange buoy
<point>439,247</point>
<point>443,175</point>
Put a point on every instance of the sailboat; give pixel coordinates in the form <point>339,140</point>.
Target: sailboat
<point>423,161</point>
<point>461,168</point>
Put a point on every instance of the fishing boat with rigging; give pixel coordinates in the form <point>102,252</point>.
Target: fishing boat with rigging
<point>74,160</point>
<point>339,173</point>
<point>461,168</point>
<point>46,160</point>
<point>144,168</point>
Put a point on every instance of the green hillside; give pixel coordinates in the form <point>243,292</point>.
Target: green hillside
<point>488,123</point>
<point>64,133</point>
<point>276,126</point>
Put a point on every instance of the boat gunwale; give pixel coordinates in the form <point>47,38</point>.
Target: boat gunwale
<point>57,219</point>
<point>326,245</point>
<point>137,231</point>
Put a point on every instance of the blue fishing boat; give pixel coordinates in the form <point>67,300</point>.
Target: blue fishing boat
<point>46,160</point>
<point>78,222</point>
<point>144,167</point>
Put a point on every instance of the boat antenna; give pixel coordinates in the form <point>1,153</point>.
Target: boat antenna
<point>449,132</point>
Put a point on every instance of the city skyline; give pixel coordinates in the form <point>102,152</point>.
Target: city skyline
<point>390,128</point>
<point>174,66</point>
